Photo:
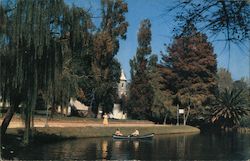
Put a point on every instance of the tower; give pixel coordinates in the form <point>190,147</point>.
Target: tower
<point>122,86</point>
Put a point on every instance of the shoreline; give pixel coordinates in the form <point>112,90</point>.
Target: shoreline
<point>245,130</point>
<point>72,127</point>
<point>96,131</point>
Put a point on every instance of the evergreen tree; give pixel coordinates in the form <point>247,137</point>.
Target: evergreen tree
<point>189,70</point>
<point>224,79</point>
<point>105,67</point>
<point>162,103</point>
<point>141,92</point>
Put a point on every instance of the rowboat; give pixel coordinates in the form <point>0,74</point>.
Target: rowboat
<point>146,136</point>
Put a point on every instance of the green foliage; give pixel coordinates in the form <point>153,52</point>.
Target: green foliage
<point>105,68</point>
<point>245,122</point>
<point>44,44</point>
<point>189,69</point>
<point>32,50</point>
<point>224,79</point>
<point>230,107</point>
<point>141,92</point>
<point>162,103</point>
<point>139,62</point>
<point>160,106</point>
<point>140,99</point>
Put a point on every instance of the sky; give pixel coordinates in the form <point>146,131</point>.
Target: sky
<point>163,24</point>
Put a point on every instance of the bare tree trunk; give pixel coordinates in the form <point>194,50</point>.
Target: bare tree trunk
<point>7,118</point>
<point>53,106</point>
<point>15,100</point>
<point>165,119</point>
<point>26,136</point>
<point>186,116</point>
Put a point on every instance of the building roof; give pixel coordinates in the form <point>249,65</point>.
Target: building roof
<point>123,77</point>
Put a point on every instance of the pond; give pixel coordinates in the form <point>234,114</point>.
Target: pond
<point>205,146</point>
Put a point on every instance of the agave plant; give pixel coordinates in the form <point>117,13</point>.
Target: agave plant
<point>229,108</point>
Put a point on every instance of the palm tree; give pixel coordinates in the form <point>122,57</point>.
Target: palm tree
<point>229,108</point>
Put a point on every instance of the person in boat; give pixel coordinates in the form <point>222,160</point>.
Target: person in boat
<point>118,132</point>
<point>135,133</point>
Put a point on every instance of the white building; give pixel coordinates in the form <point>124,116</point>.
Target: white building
<point>117,113</point>
<point>122,85</point>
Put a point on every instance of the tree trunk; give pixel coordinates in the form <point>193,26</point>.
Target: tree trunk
<point>15,100</point>
<point>31,104</point>
<point>186,116</point>
<point>165,119</point>
<point>7,118</point>
<point>26,136</point>
<point>53,107</point>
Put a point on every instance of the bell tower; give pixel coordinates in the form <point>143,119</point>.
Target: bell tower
<point>122,86</point>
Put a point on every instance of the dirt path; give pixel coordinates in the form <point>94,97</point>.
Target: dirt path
<point>41,122</point>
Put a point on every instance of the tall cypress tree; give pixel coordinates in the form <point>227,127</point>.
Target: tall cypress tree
<point>105,67</point>
<point>141,92</point>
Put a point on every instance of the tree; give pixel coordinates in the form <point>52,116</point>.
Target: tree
<point>242,85</point>
<point>223,20</point>
<point>77,41</point>
<point>38,45</point>
<point>189,69</point>
<point>25,50</point>
<point>141,92</point>
<point>227,17</point>
<point>224,79</point>
<point>161,108</point>
<point>230,107</point>
<point>105,67</point>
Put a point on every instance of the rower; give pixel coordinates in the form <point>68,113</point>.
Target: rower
<point>118,132</point>
<point>135,133</point>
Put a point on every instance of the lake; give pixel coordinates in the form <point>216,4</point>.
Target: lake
<point>204,146</point>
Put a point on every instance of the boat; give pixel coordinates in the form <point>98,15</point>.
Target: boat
<point>130,137</point>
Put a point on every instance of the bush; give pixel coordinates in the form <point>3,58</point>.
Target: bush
<point>245,121</point>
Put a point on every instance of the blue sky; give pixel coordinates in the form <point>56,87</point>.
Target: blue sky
<point>162,27</point>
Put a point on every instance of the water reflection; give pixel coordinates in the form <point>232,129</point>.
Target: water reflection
<point>136,145</point>
<point>118,144</point>
<point>167,147</point>
<point>104,149</point>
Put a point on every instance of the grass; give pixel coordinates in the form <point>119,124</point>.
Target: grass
<point>91,132</point>
<point>59,117</point>
<point>48,134</point>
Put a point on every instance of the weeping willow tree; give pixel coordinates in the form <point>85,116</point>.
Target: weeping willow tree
<point>39,43</point>
<point>31,55</point>
<point>76,41</point>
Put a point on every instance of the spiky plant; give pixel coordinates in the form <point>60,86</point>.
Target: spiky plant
<point>229,108</point>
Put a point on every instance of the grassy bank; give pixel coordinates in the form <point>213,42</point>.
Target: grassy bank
<point>87,132</point>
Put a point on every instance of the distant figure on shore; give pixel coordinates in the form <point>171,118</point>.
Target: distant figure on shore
<point>135,133</point>
<point>118,132</point>
<point>105,119</point>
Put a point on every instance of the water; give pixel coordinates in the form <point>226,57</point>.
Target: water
<point>230,146</point>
